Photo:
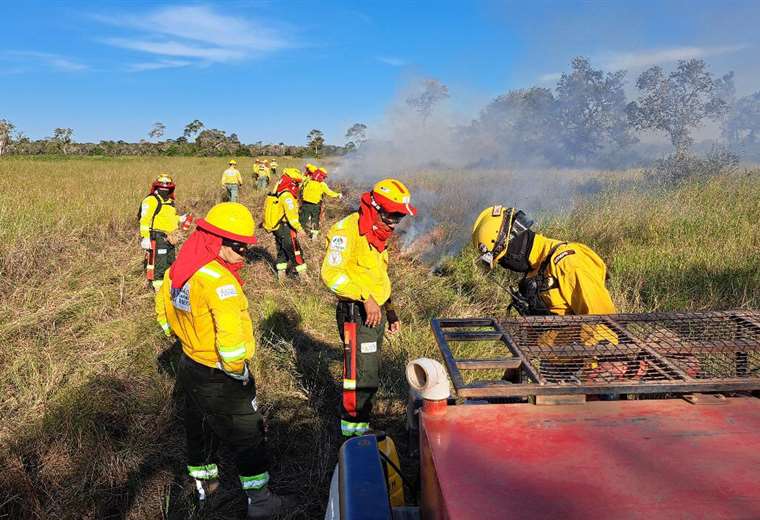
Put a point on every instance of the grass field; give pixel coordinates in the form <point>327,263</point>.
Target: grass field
<point>89,425</point>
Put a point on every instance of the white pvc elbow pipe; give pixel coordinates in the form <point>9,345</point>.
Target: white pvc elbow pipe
<point>429,378</point>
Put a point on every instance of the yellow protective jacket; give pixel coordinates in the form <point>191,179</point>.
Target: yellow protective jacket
<point>279,209</point>
<point>313,191</point>
<point>261,171</point>
<point>165,219</point>
<point>352,268</point>
<point>231,176</point>
<point>210,317</point>
<point>579,274</point>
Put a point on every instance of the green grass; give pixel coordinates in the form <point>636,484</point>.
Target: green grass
<point>90,427</point>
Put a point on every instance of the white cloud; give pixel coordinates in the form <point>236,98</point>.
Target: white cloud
<point>54,61</point>
<point>641,59</point>
<point>198,33</point>
<point>549,77</point>
<point>393,62</point>
<point>157,65</point>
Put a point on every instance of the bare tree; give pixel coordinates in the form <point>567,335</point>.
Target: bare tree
<point>62,137</point>
<point>315,139</point>
<point>356,135</point>
<point>192,128</point>
<point>6,129</point>
<point>432,93</point>
<point>157,132</point>
<point>679,102</point>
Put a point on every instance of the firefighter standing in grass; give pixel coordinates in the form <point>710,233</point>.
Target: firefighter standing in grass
<point>158,228</point>
<point>281,219</point>
<point>232,180</point>
<point>273,168</point>
<point>262,176</point>
<point>312,192</point>
<point>203,304</point>
<point>355,268</point>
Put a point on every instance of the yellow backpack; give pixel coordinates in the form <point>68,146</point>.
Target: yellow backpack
<point>273,212</point>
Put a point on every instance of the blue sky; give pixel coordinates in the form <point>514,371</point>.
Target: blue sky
<point>272,70</point>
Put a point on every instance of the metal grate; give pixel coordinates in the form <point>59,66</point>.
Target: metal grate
<point>626,353</point>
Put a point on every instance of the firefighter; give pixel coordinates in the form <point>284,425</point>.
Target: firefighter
<point>560,277</point>
<point>281,219</point>
<point>309,169</point>
<point>262,176</point>
<point>232,180</point>
<point>355,268</point>
<point>159,223</point>
<point>202,302</point>
<point>312,192</point>
<point>273,168</point>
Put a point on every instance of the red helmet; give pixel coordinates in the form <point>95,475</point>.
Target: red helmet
<point>163,182</point>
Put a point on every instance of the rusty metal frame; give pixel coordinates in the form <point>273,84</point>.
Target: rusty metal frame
<point>532,383</point>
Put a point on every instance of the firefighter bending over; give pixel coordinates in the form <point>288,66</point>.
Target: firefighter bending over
<point>281,219</point>
<point>158,228</point>
<point>203,304</point>
<point>559,277</point>
<point>355,268</point>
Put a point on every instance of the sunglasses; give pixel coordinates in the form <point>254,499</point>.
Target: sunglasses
<point>239,247</point>
<point>391,218</point>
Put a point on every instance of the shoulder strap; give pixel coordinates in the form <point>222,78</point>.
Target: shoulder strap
<point>159,203</point>
<point>548,259</point>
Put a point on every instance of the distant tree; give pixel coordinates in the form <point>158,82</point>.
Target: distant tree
<point>431,93</point>
<point>315,139</point>
<point>356,135</point>
<point>741,127</point>
<point>62,137</point>
<point>213,142</point>
<point>192,128</point>
<point>157,132</point>
<point>6,129</point>
<point>591,110</point>
<point>679,102</point>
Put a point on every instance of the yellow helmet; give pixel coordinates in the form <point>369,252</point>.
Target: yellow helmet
<point>392,196</point>
<point>310,168</point>
<point>293,173</point>
<point>230,220</point>
<point>494,228</point>
<point>233,162</point>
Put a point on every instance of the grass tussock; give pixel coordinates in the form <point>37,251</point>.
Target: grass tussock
<point>90,421</point>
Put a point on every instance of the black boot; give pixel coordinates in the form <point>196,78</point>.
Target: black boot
<point>263,504</point>
<point>204,491</point>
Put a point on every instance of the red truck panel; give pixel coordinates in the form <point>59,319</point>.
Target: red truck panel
<point>616,459</point>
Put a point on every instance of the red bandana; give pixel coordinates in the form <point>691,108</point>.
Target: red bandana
<point>370,225</point>
<point>287,184</point>
<point>199,249</point>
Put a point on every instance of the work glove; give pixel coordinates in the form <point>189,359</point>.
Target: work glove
<point>145,244</point>
<point>244,377</point>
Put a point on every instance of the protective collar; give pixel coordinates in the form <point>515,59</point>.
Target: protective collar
<point>370,224</point>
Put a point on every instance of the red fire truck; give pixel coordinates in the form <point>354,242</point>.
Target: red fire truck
<point>631,416</point>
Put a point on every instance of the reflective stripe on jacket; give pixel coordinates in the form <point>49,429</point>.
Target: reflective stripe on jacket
<point>313,191</point>
<point>352,268</point>
<point>579,274</point>
<point>166,220</point>
<point>210,317</point>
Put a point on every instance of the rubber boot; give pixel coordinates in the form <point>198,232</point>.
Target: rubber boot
<point>263,504</point>
<point>281,276</point>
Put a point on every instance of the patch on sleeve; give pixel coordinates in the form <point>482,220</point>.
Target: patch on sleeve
<point>562,255</point>
<point>181,298</point>
<point>334,258</point>
<point>226,291</point>
<point>338,243</point>
<point>369,348</point>
<point>289,203</point>
<point>144,208</point>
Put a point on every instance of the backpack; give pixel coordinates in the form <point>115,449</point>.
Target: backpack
<point>273,212</point>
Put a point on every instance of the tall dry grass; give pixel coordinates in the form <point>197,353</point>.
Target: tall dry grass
<point>90,425</point>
